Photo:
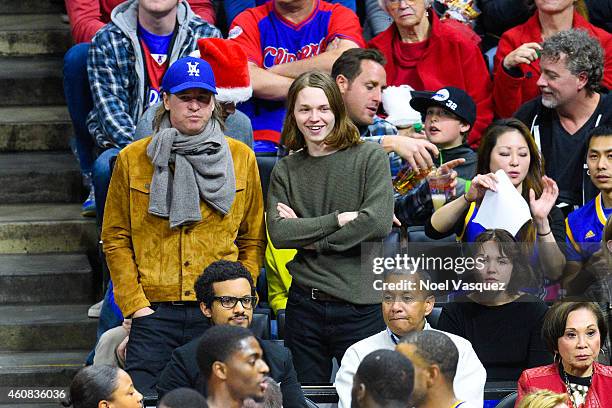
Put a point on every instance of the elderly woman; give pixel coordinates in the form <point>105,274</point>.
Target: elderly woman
<point>517,66</point>
<point>428,54</point>
<point>573,331</point>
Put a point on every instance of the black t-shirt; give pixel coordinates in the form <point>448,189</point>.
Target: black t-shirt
<point>565,155</point>
<point>506,338</point>
<point>566,164</point>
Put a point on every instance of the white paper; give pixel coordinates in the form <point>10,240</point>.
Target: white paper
<point>503,209</point>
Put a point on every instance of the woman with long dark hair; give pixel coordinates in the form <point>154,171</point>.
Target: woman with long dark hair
<point>509,146</point>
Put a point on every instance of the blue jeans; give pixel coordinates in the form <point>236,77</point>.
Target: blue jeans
<point>102,172</point>
<point>235,7</point>
<point>317,331</point>
<point>79,101</point>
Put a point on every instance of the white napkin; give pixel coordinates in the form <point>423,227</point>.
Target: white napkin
<point>503,209</point>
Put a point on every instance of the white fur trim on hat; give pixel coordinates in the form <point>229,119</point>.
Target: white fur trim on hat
<point>235,95</point>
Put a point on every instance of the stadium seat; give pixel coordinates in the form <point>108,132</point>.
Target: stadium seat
<point>262,289</point>
<point>417,234</point>
<point>508,401</point>
<point>261,325</point>
<point>265,163</point>
<point>434,316</point>
<point>280,321</point>
<point>310,404</point>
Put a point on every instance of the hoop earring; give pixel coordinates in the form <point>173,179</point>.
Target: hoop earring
<point>588,172</point>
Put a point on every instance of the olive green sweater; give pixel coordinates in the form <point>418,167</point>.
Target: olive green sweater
<point>318,189</point>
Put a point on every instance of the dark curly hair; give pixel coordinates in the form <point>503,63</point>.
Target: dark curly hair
<point>583,53</point>
<point>220,271</point>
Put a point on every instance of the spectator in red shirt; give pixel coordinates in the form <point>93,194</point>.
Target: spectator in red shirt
<point>517,65</point>
<point>86,18</point>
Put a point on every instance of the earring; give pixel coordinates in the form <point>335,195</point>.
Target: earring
<point>588,172</point>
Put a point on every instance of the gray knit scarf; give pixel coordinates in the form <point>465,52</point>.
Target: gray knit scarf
<point>203,168</point>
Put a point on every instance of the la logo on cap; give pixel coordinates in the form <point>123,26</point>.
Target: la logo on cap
<point>192,68</point>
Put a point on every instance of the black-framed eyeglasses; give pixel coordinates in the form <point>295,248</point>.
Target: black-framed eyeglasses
<point>229,302</point>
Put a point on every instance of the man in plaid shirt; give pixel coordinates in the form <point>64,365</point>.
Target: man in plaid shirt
<point>127,59</point>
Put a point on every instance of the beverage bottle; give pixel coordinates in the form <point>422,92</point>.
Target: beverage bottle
<point>407,179</point>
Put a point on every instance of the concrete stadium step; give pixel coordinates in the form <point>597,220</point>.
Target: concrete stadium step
<point>46,327</point>
<point>31,6</point>
<point>40,369</point>
<point>45,228</point>
<point>41,278</point>
<point>36,177</point>
<point>33,128</point>
<point>32,81</point>
<point>33,34</point>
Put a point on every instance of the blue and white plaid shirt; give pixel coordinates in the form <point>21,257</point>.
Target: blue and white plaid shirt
<point>117,72</point>
<point>375,133</point>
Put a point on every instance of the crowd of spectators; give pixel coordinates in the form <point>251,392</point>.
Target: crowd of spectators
<point>173,123</point>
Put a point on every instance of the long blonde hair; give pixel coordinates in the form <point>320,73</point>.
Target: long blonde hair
<point>542,399</point>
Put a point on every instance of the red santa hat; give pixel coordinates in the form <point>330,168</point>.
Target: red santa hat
<point>230,66</point>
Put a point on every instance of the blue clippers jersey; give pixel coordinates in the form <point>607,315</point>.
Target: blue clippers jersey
<point>269,39</point>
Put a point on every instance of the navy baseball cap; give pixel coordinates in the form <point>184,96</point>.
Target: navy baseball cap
<point>450,98</point>
<point>188,73</point>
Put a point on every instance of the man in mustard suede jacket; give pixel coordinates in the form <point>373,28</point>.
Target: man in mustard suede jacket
<point>178,201</point>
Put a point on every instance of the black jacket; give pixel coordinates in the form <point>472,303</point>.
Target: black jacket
<point>533,114</point>
<point>600,13</point>
<point>183,371</point>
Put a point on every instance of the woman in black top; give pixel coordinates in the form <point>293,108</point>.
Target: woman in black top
<point>504,326</point>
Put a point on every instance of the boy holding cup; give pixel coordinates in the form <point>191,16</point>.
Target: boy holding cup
<point>448,116</point>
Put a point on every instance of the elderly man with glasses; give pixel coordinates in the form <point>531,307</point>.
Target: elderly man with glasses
<point>227,297</point>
